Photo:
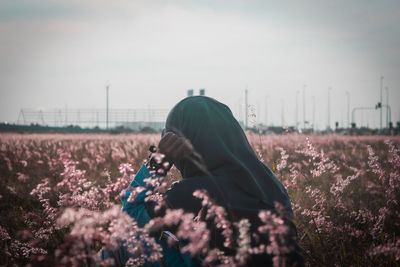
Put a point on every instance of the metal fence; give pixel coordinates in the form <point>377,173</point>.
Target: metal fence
<point>133,118</point>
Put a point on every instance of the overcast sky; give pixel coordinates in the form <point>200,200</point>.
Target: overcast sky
<point>57,55</point>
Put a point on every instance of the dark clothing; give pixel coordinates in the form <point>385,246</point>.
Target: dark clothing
<point>238,180</point>
<point>229,171</point>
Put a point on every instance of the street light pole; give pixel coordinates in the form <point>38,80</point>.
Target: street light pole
<point>387,106</point>
<point>283,112</point>
<point>107,89</point>
<point>329,108</point>
<point>246,109</point>
<point>297,110</point>
<point>313,115</point>
<point>304,106</point>
<point>381,104</point>
<point>348,108</point>
<point>266,111</point>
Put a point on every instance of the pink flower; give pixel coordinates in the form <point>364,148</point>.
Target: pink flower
<point>22,177</point>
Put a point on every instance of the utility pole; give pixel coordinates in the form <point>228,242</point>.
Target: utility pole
<point>107,89</point>
<point>304,106</point>
<point>297,110</point>
<point>329,108</point>
<point>387,107</point>
<point>283,112</point>
<point>313,114</point>
<point>348,108</point>
<point>246,109</point>
<point>266,111</point>
<point>381,104</point>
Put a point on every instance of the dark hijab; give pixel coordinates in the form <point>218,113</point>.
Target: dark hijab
<point>235,178</point>
<point>240,180</point>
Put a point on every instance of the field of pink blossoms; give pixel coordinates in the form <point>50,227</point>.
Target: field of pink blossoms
<point>59,201</point>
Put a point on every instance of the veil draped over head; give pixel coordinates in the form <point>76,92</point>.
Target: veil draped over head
<point>233,176</point>
<point>239,180</point>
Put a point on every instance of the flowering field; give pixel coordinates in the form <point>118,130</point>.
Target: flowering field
<point>59,200</point>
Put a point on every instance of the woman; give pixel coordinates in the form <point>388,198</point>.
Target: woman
<point>208,146</point>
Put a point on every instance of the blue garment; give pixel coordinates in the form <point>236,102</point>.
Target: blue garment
<point>137,210</point>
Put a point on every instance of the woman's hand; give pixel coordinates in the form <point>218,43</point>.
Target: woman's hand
<point>175,147</point>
